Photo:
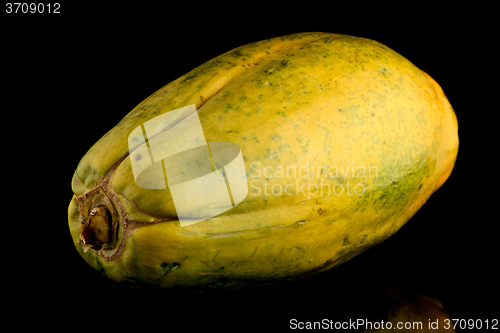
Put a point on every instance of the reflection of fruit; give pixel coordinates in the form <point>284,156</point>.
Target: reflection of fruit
<point>387,309</point>
<point>418,313</point>
<point>343,141</point>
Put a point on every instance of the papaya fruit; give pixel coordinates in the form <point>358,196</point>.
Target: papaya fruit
<point>324,145</point>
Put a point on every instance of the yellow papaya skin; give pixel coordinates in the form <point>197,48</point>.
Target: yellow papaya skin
<point>313,114</point>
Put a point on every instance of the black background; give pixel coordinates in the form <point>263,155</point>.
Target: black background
<point>70,78</point>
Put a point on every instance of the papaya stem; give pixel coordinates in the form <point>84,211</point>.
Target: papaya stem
<point>96,232</point>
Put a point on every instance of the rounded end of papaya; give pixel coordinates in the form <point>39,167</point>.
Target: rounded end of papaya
<point>448,138</point>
